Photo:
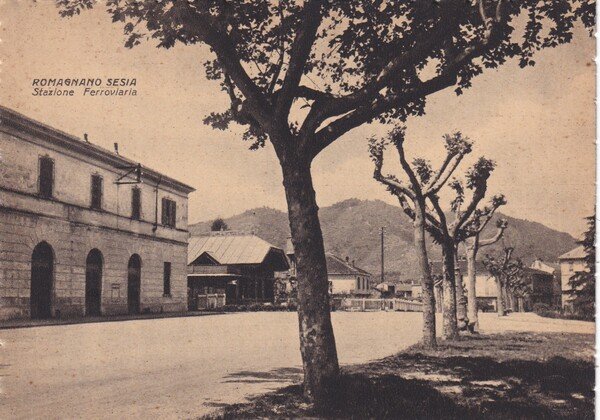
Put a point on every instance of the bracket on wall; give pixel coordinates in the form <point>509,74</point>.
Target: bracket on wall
<point>132,170</point>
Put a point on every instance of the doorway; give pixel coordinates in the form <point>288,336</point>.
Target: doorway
<point>93,283</point>
<point>42,281</point>
<point>134,277</point>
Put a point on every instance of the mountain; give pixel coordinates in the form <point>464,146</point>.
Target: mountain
<point>352,228</point>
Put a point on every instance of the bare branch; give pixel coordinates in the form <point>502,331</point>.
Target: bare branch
<point>441,181</point>
<point>299,54</point>
<point>443,223</point>
<point>228,58</point>
<point>490,241</point>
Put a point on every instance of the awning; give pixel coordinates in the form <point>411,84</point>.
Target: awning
<point>221,275</point>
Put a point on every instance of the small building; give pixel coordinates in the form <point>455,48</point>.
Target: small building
<point>571,263</point>
<point>416,290</point>
<point>345,278</point>
<point>554,269</point>
<point>541,286</point>
<point>343,275</point>
<point>404,290</point>
<point>387,289</point>
<point>85,231</point>
<point>233,268</point>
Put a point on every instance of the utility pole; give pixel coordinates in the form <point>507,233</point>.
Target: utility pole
<point>382,255</point>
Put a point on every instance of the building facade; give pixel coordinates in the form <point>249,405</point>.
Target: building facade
<point>571,263</point>
<point>229,267</point>
<point>85,231</point>
<point>345,278</point>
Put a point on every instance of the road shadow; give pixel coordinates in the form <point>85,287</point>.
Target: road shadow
<point>283,375</point>
<point>518,376</point>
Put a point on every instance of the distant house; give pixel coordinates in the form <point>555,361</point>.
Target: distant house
<point>238,266</point>
<point>387,289</point>
<point>554,269</point>
<point>345,278</point>
<point>416,290</point>
<point>343,275</point>
<point>404,290</point>
<point>571,263</point>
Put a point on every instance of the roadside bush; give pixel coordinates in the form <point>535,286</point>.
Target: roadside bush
<point>255,307</point>
<point>546,311</point>
<point>540,307</point>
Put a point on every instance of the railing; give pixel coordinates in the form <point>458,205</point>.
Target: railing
<point>211,301</point>
<point>358,304</point>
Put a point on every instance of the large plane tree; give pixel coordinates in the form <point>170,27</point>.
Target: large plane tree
<point>302,73</point>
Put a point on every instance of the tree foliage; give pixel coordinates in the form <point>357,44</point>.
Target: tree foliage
<point>348,62</point>
<point>218,224</point>
<point>509,271</point>
<point>583,283</point>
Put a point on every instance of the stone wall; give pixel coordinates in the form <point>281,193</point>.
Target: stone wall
<point>71,242</point>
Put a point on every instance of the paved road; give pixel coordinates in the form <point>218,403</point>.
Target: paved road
<point>185,367</point>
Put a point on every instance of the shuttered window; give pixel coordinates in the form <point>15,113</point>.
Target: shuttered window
<point>46,180</point>
<point>169,209</point>
<point>136,203</point>
<point>96,192</point>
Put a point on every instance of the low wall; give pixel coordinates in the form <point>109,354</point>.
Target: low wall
<point>366,304</point>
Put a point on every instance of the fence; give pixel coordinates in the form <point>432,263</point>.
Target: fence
<point>365,304</point>
<point>211,301</point>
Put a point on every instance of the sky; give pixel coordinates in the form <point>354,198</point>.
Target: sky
<point>538,124</point>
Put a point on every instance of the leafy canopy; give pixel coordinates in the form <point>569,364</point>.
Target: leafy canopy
<point>342,63</point>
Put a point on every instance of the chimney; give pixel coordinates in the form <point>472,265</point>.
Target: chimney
<point>116,148</point>
<point>353,263</point>
<point>347,259</point>
<point>85,137</point>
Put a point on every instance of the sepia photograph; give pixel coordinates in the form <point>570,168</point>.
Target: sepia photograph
<point>272,209</point>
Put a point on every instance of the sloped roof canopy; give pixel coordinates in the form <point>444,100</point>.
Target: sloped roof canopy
<point>574,254</point>
<point>231,248</point>
<point>336,265</point>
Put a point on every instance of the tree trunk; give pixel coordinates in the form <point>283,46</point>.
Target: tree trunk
<point>461,300</point>
<point>428,298</point>
<point>521,306</point>
<point>438,296</point>
<point>450,327</point>
<point>317,342</point>
<point>500,298</point>
<point>471,288</point>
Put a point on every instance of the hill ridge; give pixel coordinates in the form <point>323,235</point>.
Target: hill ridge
<point>351,228</point>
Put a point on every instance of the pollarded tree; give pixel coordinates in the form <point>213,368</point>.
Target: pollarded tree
<point>420,201</point>
<point>472,245</point>
<point>301,74</point>
<point>451,233</point>
<point>508,275</point>
<point>422,183</point>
